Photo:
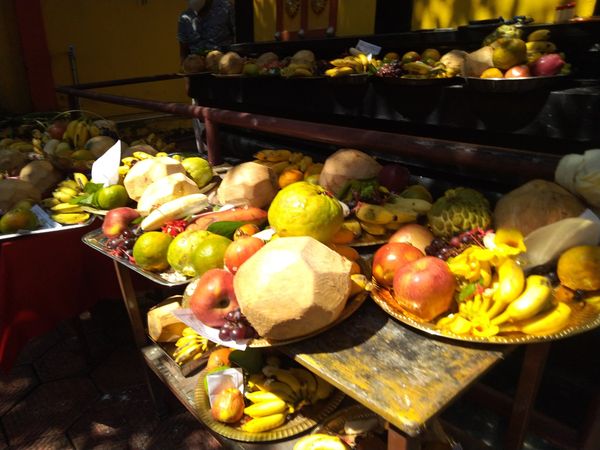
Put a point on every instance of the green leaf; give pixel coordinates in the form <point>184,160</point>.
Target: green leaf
<point>225,228</point>
<point>467,292</point>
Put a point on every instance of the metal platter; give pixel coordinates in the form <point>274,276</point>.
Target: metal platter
<point>584,317</point>
<point>5,237</point>
<point>96,240</point>
<point>420,81</point>
<point>308,417</point>
<point>353,78</point>
<point>512,85</point>
<point>335,423</point>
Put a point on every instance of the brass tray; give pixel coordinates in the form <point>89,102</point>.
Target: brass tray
<point>96,240</point>
<point>306,418</point>
<point>367,239</point>
<point>584,317</point>
<point>415,82</point>
<point>335,423</point>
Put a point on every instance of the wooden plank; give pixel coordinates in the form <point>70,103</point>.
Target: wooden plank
<point>405,376</point>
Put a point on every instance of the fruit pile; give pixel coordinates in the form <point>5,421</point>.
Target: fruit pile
<point>428,64</point>
<point>273,394</point>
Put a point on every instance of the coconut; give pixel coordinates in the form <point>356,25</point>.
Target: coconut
<point>194,64</point>
<point>249,182</point>
<point>145,172</point>
<point>231,64</point>
<point>293,286</point>
<point>212,60</point>
<point>164,190</point>
<point>347,164</point>
<point>305,56</point>
<point>266,58</point>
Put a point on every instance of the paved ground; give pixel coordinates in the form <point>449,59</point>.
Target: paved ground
<point>61,397</point>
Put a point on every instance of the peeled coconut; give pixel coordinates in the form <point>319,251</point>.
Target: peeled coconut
<point>145,172</point>
<point>303,56</point>
<point>164,190</point>
<point>454,60</point>
<point>478,61</point>
<point>266,58</point>
<point>212,60</point>
<point>42,174</point>
<point>347,164</point>
<point>251,182</point>
<point>231,63</point>
<point>292,287</point>
<point>194,64</point>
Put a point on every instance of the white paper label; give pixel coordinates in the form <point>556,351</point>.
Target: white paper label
<point>368,48</point>
<point>225,379</point>
<point>105,169</point>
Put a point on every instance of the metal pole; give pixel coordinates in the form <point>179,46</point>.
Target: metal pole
<point>73,100</point>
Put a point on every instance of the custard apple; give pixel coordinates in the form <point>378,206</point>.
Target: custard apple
<point>459,210</point>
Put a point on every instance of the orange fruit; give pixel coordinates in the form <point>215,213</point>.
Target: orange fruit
<point>492,72</point>
<point>342,236</point>
<point>219,358</point>
<point>111,197</point>
<point>579,268</point>
<point>247,229</point>
<point>18,219</point>
<point>209,252</point>
<point>150,251</point>
<point>289,176</point>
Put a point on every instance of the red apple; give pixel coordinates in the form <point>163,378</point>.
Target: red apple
<point>521,71</point>
<point>395,177</point>
<point>391,257</point>
<point>117,220</point>
<point>240,250</point>
<point>57,129</point>
<point>413,234</point>
<point>228,406</point>
<point>214,297</point>
<point>425,287</point>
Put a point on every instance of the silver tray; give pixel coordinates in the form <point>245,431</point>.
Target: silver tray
<point>5,237</point>
<point>96,240</point>
<point>512,85</point>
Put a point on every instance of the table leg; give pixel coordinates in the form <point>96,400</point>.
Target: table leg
<point>396,440</point>
<point>139,334</point>
<point>529,383</point>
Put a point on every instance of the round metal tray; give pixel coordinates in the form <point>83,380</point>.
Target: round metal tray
<point>584,317</point>
<point>306,418</point>
<point>399,81</point>
<point>512,85</point>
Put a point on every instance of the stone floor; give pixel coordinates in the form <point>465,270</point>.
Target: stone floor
<point>60,396</point>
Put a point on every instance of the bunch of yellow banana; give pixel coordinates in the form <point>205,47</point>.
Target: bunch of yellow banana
<point>298,69</point>
<point>155,142</point>
<point>538,44</point>
<point>348,65</point>
<point>278,392</point>
<point>190,346</point>
<point>17,144</point>
<point>282,160</point>
<point>128,162</point>
<point>380,219</point>
<point>79,131</point>
<point>62,211</point>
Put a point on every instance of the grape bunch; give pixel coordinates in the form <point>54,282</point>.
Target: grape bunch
<point>390,70</point>
<point>236,327</point>
<point>123,244</point>
<point>445,249</point>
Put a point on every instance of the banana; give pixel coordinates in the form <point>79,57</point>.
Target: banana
<point>284,376</point>
<point>175,209</point>
<point>81,180</point>
<point>82,134</point>
<point>188,340</point>
<point>70,131</point>
<point>535,297</point>
<point>267,408</point>
<point>186,353</point>
<point>549,322</point>
<point>539,35</point>
<point>354,226</point>
<point>307,381</point>
<point>374,229</point>
<point>412,204</point>
<point>540,47</point>
<point>70,218</point>
<point>264,423</point>
<point>161,154</point>
<point>69,183</point>
<point>94,130</point>
<point>339,71</point>
<point>301,72</point>
<point>324,390</point>
<point>282,390</point>
<point>68,190</point>
<point>261,396</point>
<point>304,163</point>
<point>511,282</point>
<point>320,441</point>
<point>50,202</point>
<point>188,331</point>
<point>375,214</point>
<point>256,381</point>
<point>129,161</point>
<point>142,155</point>
<point>339,62</point>
<point>401,215</point>
<point>62,197</point>
<point>273,155</point>
<point>364,61</point>
<point>417,67</point>
<point>66,208</point>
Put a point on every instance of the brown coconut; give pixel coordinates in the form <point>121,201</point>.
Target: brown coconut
<point>212,60</point>
<point>99,145</point>
<point>534,205</point>
<point>164,190</point>
<point>251,182</point>
<point>145,172</point>
<point>231,64</point>
<point>344,165</point>
<point>292,287</point>
<point>194,64</point>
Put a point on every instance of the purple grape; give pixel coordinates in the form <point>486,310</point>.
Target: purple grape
<point>455,241</point>
<point>228,326</point>
<point>128,243</point>
<point>127,233</point>
<point>238,333</point>
<point>237,315</point>
<point>113,243</point>
<point>229,317</point>
<point>225,334</point>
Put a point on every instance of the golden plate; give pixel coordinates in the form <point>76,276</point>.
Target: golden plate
<point>584,317</point>
<point>335,423</point>
<point>308,417</point>
<point>367,239</point>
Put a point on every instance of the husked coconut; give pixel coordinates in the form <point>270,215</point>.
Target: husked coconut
<point>164,190</point>
<point>305,56</point>
<point>344,165</point>
<point>231,64</point>
<point>194,64</point>
<point>250,181</point>
<point>477,62</point>
<point>98,145</point>
<point>212,60</point>
<point>42,174</point>
<point>266,58</point>
<point>292,287</point>
<point>13,190</point>
<point>145,172</point>
<point>454,61</point>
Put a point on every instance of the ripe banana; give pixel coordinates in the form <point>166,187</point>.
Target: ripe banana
<point>260,424</point>
<point>267,408</point>
<point>66,208</point>
<point>307,381</point>
<point>81,180</point>
<point>261,396</point>
<point>70,131</point>
<point>282,390</point>
<point>189,346</point>
<point>273,155</point>
<point>324,390</point>
<point>540,47</point>
<point>375,214</point>
<point>339,71</point>
<point>417,68</point>
<point>70,218</point>
<point>69,183</point>
<point>549,322</point>
<point>535,297</point>
<point>539,35</point>
<point>142,155</point>
<point>283,376</point>
<point>511,282</point>
<point>320,441</point>
<point>81,134</point>
<point>129,161</point>
<point>374,229</point>
<point>175,209</point>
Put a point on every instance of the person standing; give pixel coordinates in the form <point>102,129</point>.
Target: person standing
<point>206,25</point>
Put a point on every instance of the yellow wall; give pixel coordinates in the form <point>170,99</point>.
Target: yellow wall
<point>352,19</point>
<point>453,13</point>
<point>14,93</point>
<point>116,39</point>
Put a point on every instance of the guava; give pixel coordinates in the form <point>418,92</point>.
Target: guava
<point>198,169</point>
<point>305,209</point>
<point>182,249</point>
